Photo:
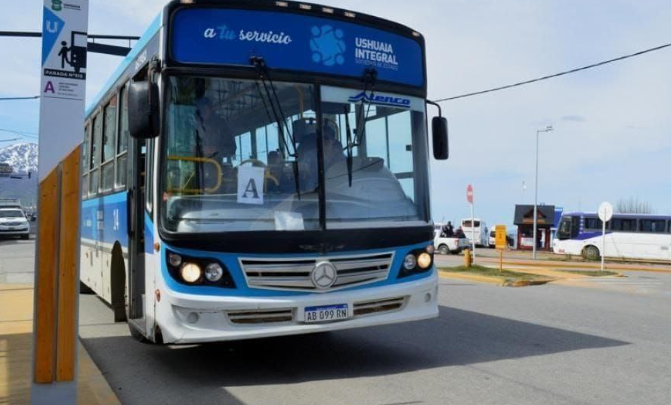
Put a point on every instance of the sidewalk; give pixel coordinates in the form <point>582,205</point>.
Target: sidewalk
<point>16,327</point>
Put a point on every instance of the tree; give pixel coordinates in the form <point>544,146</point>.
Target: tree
<point>632,205</point>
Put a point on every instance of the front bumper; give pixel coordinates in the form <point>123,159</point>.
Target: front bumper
<point>193,319</point>
<point>20,231</point>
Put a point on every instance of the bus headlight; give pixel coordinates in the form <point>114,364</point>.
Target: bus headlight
<point>174,259</point>
<point>424,260</point>
<point>191,273</point>
<point>214,272</point>
<point>409,262</point>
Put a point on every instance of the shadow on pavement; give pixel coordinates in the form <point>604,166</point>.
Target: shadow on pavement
<point>198,373</point>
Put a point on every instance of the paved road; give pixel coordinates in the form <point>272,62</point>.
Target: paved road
<point>17,261</point>
<point>550,344</point>
<point>491,345</point>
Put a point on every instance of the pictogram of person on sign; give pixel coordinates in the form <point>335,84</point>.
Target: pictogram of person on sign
<point>64,54</point>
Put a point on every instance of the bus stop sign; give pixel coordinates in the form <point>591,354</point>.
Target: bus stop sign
<point>501,240</point>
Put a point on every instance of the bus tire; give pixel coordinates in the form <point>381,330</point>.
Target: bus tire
<point>591,253</point>
<point>84,289</point>
<point>443,249</point>
<point>118,284</point>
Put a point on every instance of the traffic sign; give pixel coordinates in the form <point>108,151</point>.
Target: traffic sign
<point>469,194</point>
<point>501,239</point>
<point>605,211</point>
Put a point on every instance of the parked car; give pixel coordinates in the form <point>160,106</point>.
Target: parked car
<point>13,222</point>
<point>492,238</point>
<point>445,245</point>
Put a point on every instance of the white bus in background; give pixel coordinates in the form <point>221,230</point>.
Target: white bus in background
<point>479,231</point>
<point>628,236</point>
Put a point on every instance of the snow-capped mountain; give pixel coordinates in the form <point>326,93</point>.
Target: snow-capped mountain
<point>21,156</point>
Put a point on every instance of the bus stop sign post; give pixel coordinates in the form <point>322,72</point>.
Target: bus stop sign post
<point>469,198</point>
<point>501,243</point>
<point>63,89</point>
<point>605,215</point>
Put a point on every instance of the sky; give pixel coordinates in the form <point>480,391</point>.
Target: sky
<point>612,127</point>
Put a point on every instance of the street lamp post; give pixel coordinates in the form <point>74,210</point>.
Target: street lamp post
<point>535,234</point>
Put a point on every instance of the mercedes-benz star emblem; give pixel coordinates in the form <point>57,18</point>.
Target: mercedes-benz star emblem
<point>324,275</point>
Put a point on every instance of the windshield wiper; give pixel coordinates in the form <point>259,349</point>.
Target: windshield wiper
<point>260,64</point>
<point>369,78</point>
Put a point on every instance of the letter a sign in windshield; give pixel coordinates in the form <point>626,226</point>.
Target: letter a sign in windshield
<point>250,185</point>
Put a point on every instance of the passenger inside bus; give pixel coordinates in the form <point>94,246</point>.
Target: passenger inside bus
<point>214,138</point>
<point>306,153</point>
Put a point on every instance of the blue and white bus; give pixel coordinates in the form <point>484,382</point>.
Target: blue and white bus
<point>260,168</point>
<point>628,236</point>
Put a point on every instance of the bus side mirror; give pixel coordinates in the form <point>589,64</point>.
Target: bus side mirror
<point>143,116</point>
<point>440,139</point>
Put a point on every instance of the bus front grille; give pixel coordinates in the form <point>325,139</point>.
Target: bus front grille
<point>377,306</point>
<point>296,274</point>
<point>261,316</point>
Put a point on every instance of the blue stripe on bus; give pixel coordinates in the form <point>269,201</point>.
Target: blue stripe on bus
<point>148,234</point>
<point>105,219</point>
<point>231,262</point>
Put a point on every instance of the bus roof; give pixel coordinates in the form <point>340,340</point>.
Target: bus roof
<point>618,215</point>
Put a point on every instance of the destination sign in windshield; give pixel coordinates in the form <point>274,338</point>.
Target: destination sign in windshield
<point>294,42</point>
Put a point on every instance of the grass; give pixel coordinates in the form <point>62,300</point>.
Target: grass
<point>507,276</point>
<point>591,273</point>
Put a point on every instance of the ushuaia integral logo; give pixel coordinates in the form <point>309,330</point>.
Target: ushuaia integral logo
<point>327,45</point>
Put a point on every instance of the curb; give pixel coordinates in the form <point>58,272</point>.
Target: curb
<point>581,265</point>
<point>492,280</point>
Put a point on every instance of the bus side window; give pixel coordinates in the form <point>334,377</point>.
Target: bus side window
<point>624,225</point>
<point>122,140</point>
<point>108,149</point>
<point>575,227</point>
<point>85,158</point>
<point>94,174</point>
<point>149,175</point>
<point>652,225</point>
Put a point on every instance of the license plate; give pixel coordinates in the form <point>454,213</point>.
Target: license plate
<point>13,228</point>
<point>326,313</point>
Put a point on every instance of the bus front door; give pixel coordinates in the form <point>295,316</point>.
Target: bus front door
<point>136,235</point>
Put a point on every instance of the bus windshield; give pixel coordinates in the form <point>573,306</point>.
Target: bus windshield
<point>243,155</point>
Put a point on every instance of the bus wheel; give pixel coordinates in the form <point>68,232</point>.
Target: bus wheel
<point>443,250</point>
<point>591,253</point>
<point>84,289</point>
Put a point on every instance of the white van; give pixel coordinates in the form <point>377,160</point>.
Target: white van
<point>13,222</point>
<point>479,231</point>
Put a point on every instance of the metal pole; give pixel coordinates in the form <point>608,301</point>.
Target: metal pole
<point>536,200</point>
<point>603,246</point>
<point>473,227</point>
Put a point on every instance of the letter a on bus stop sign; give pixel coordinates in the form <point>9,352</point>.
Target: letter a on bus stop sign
<point>469,193</point>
